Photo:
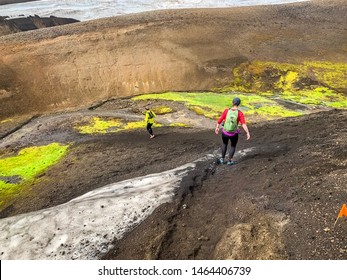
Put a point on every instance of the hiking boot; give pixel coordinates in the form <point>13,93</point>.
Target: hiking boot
<point>152,136</point>
<point>231,162</point>
<point>221,160</point>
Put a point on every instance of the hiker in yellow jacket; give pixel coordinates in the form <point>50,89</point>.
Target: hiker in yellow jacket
<point>149,119</point>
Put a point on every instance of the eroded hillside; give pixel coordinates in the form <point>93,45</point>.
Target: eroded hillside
<point>78,65</point>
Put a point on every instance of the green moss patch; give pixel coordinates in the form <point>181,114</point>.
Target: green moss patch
<point>307,83</point>
<point>136,125</point>
<point>32,161</point>
<point>333,75</point>
<point>273,112</point>
<point>180,124</point>
<point>107,125</point>
<point>212,104</point>
<point>207,112</point>
<point>27,165</point>
<point>161,110</point>
<point>98,125</point>
<point>319,96</point>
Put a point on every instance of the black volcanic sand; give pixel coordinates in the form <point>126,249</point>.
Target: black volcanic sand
<point>279,202</point>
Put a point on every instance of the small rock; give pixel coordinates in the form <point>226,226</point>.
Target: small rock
<point>203,238</point>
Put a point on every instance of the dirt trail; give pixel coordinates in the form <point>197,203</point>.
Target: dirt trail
<point>279,202</point>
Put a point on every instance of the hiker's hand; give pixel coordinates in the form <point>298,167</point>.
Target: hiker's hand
<point>216,130</point>
<point>248,136</point>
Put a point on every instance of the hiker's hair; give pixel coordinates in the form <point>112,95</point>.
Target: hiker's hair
<point>236,101</point>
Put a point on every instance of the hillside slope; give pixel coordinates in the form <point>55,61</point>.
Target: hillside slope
<point>279,202</point>
<point>76,65</point>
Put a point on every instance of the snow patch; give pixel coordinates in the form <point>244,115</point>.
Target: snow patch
<point>85,227</point>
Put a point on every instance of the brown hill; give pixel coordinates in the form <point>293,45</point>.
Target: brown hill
<point>76,65</point>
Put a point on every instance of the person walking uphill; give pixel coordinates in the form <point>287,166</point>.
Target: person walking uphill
<point>231,117</point>
<point>149,119</point>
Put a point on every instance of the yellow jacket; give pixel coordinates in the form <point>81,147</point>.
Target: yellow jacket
<point>148,117</point>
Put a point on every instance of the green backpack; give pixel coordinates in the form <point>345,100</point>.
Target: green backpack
<point>230,124</point>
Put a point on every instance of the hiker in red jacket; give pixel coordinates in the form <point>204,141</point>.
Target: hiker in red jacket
<point>230,131</point>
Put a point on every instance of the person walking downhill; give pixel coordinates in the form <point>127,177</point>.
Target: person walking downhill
<point>149,119</point>
<point>231,117</point>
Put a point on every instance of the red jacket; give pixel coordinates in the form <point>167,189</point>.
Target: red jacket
<point>240,117</point>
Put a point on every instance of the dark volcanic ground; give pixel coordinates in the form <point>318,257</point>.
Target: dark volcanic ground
<point>279,202</point>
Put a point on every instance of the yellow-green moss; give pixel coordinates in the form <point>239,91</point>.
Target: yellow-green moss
<point>99,125</point>
<point>132,125</point>
<point>27,165</point>
<point>135,125</point>
<point>31,161</point>
<point>333,75</point>
<point>264,76</point>
<point>190,99</point>
<point>273,112</point>
<point>212,104</point>
<point>6,120</point>
<point>266,93</point>
<point>161,110</point>
<point>318,96</point>
<point>8,192</point>
<point>204,112</point>
<point>180,124</point>
<point>287,81</point>
<point>338,104</point>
